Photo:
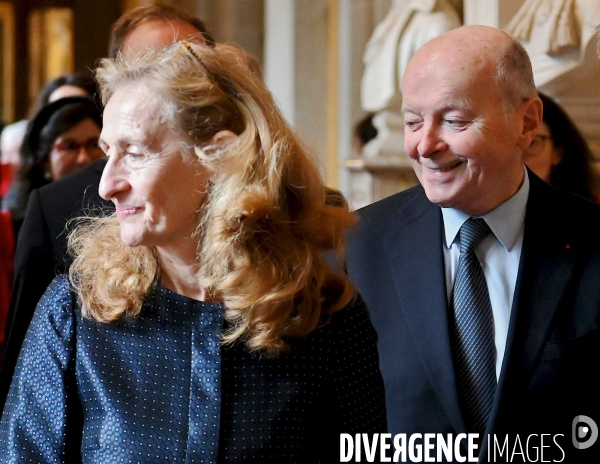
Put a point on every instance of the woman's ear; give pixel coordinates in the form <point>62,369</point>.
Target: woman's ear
<point>220,141</point>
<point>222,138</point>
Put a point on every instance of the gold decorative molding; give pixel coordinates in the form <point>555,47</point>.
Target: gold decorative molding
<point>7,51</point>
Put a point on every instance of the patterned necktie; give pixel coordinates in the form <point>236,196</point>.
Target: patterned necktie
<point>473,331</point>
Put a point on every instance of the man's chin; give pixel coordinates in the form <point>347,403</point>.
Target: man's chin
<point>442,199</point>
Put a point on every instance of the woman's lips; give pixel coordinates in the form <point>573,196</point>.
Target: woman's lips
<point>126,211</point>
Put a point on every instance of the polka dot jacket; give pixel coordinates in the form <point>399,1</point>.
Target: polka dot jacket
<point>160,388</point>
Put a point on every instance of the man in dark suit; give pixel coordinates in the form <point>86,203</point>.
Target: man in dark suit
<point>518,356</point>
<point>41,252</point>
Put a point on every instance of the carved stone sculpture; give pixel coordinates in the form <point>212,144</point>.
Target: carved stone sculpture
<point>408,25</point>
<point>559,36</point>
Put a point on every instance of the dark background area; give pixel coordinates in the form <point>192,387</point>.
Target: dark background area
<point>92,23</point>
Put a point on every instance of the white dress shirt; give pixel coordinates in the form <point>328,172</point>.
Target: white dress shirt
<point>499,254</point>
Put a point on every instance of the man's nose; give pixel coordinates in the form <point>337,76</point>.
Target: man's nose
<point>431,140</point>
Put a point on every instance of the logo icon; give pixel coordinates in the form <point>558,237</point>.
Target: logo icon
<point>584,426</point>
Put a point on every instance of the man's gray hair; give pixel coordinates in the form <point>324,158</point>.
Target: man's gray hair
<point>515,76</point>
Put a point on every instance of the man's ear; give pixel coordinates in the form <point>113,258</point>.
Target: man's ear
<point>531,112</point>
<point>220,141</point>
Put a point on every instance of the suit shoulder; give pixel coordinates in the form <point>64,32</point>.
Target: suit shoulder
<point>393,202</point>
<point>554,214</point>
<point>73,195</point>
<point>400,208</point>
<point>575,210</point>
<point>74,183</point>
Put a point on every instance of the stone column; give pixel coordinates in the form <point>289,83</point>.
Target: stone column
<point>296,67</point>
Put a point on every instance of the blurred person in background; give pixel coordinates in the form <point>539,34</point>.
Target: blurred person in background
<point>559,154</point>
<point>154,26</point>
<point>10,153</point>
<point>205,303</point>
<point>81,83</point>
<point>364,131</point>
<point>60,140</point>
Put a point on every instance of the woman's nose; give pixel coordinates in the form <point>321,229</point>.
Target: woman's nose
<point>113,181</point>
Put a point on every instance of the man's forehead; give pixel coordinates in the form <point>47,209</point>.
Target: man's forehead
<point>159,33</point>
<point>439,68</point>
<point>465,50</point>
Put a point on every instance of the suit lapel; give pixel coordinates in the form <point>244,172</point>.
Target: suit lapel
<point>544,272</point>
<point>100,164</point>
<point>417,264</point>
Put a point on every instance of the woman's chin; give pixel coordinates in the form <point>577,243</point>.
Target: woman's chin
<point>131,240</point>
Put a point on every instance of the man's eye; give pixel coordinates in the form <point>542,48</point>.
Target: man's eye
<point>411,124</point>
<point>455,122</point>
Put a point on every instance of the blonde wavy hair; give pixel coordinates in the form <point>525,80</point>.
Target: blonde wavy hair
<point>265,225</point>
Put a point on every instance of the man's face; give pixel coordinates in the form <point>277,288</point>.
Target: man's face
<point>158,34</point>
<point>461,142</point>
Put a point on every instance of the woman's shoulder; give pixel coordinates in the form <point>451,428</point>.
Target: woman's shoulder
<point>58,303</point>
<point>59,288</point>
<point>351,322</point>
<point>355,310</point>
<point>52,329</point>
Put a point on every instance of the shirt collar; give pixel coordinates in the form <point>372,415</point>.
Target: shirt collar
<point>505,221</point>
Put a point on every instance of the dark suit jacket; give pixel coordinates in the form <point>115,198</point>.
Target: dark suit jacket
<point>552,359</point>
<point>41,252</point>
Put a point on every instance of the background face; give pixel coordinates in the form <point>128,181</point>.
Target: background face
<point>157,193</point>
<point>542,155</point>
<point>64,159</point>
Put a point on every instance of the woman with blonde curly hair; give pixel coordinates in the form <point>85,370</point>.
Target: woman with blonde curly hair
<point>200,323</point>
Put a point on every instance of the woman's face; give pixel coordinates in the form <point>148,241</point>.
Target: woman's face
<point>542,155</point>
<point>74,149</point>
<point>157,193</point>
